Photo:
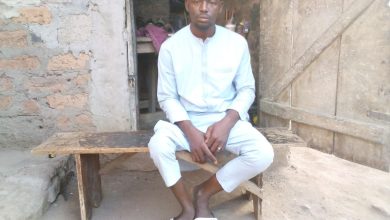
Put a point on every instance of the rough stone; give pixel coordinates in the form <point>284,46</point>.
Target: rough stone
<point>39,15</point>
<point>28,183</point>
<point>31,106</point>
<point>59,101</point>
<point>82,80</point>
<point>16,39</point>
<point>68,62</point>
<point>35,86</point>
<point>83,120</point>
<point>6,83</point>
<point>53,190</point>
<point>20,63</point>
<point>63,123</point>
<point>5,102</point>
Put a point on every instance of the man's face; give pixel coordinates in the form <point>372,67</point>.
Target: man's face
<point>204,13</point>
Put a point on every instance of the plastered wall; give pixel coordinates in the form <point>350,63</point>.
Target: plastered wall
<point>63,67</point>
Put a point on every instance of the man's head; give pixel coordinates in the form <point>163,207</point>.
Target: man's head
<point>203,13</point>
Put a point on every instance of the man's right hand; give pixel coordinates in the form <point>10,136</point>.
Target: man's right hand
<point>196,139</point>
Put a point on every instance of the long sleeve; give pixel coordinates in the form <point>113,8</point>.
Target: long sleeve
<point>167,94</point>
<point>245,86</point>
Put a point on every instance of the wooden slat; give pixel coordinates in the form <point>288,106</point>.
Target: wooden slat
<point>94,181</point>
<point>365,131</point>
<point>324,41</point>
<point>85,206</point>
<point>145,48</point>
<point>132,63</point>
<point>282,137</point>
<point>133,141</point>
<point>247,185</point>
<point>115,163</point>
<point>257,201</point>
<point>89,183</point>
<point>95,143</point>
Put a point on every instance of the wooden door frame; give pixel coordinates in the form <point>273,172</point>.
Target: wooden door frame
<point>129,34</point>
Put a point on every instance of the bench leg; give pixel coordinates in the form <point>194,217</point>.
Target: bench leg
<point>89,183</point>
<point>258,180</point>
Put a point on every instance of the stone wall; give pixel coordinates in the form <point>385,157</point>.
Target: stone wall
<point>63,67</point>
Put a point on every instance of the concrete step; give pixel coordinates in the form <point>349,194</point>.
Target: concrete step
<point>29,183</point>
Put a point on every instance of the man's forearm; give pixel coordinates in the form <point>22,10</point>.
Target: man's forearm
<point>231,118</point>
<point>185,126</point>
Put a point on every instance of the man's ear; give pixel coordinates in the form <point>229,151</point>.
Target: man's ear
<point>186,4</point>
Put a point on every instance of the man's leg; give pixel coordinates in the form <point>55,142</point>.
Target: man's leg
<point>255,154</point>
<point>182,196</point>
<point>202,195</point>
<point>167,139</point>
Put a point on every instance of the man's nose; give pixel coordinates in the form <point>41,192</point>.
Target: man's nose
<point>203,6</point>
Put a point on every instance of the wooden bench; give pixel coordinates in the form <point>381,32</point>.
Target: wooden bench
<point>86,148</point>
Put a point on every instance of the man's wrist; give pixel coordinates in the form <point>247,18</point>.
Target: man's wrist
<point>185,126</point>
<point>232,116</point>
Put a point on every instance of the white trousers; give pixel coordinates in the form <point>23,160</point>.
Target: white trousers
<point>254,152</point>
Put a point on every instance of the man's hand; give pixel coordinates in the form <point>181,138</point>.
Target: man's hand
<point>196,139</point>
<point>218,133</point>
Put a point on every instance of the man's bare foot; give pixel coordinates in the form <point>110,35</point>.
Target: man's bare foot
<point>201,203</point>
<point>186,215</point>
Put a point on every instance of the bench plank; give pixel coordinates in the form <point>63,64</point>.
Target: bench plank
<point>134,141</point>
<point>247,185</point>
<point>95,143</point>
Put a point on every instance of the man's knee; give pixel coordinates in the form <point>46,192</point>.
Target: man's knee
<point>262,157</point>
<point>160,146</point>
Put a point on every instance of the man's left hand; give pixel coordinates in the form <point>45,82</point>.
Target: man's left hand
<point>218,133</point>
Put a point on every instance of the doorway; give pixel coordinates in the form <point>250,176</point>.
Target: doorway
<point>171,15</point>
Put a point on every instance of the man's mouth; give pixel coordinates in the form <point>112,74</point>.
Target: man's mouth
<point>203,18</point>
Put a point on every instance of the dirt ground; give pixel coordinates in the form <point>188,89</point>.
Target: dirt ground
<point>314,185</point>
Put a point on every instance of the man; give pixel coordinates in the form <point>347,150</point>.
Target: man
<point>205,87</point>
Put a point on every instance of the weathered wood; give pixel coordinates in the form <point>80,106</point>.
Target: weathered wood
<point>257,201</point>
<point>94,180</point>
<point>282,137</point>
<point>247,185</point>
<point>132,141</point>
<point>89,183</point>
<point>316,49</point>
<point>132,63</point>
<point>365,131</point>
<point>115,162</point>
<point>144,45</point>
<point>88,146</point>
<point>95,143</point>
<point>153,86</point>
<point>85,206</point>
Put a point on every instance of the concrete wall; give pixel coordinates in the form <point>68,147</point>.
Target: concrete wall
<point>63,67</point>
<point>348,82</point>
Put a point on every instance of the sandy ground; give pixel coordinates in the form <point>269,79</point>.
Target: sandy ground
<point>312,186</point>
